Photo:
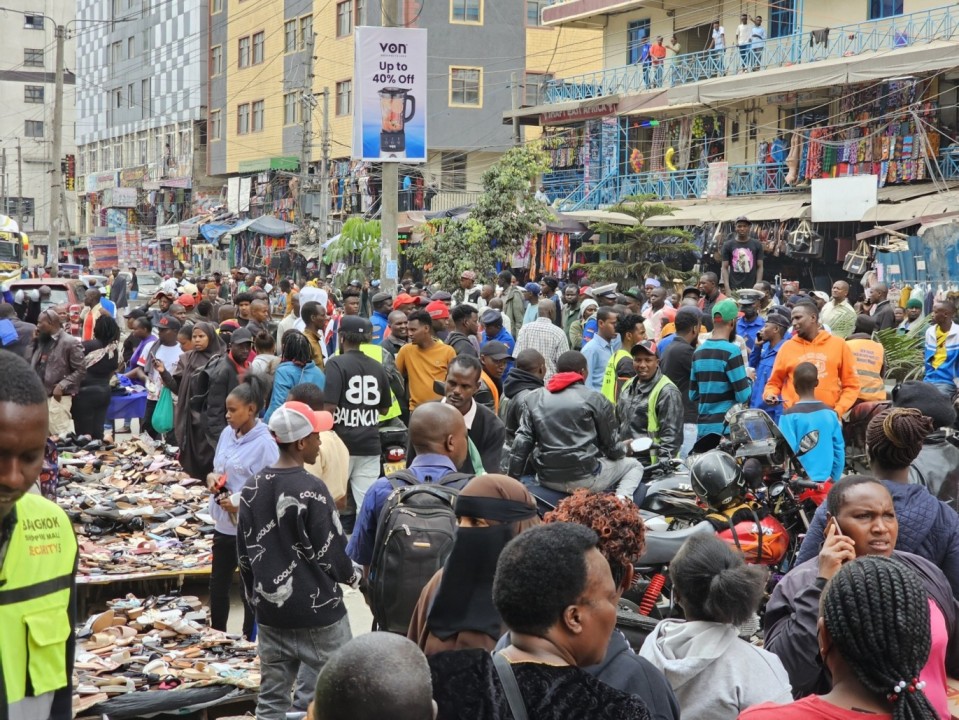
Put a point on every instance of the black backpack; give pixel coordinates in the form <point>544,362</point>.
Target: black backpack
<point>414,536</point>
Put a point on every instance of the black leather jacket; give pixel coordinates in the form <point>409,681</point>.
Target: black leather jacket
<point>565,433</point>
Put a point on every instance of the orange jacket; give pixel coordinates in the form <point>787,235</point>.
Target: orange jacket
<point>838,381</point>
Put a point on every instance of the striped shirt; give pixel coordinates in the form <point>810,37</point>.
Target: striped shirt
<point>717,381</point>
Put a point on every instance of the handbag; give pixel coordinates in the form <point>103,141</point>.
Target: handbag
<point>857,262</point>
<point>162,420</point>
<point>514,696</point>
<point>804,242</point>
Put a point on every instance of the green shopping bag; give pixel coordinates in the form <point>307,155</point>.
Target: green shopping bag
<point>162,419</point>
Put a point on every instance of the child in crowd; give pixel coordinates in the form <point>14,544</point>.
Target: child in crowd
<point>811,420</point>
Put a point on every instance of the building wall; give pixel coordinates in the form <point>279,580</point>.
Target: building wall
<point>15,76</point>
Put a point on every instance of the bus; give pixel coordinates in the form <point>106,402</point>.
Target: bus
<point>13,244</point>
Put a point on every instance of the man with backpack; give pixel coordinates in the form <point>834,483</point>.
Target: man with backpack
<point>438,433</point>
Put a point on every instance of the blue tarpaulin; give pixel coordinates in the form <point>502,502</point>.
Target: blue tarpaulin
<point>211,231</point>
<point>933,258</point>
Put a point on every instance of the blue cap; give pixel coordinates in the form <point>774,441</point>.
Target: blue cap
<point>533,288</point>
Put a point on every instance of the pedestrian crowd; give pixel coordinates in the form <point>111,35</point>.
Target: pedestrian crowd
<point>287,401</point>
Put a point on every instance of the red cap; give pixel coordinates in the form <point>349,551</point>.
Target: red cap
<point>186,301</point>
<point>438,310</point>
<point>404,299</point>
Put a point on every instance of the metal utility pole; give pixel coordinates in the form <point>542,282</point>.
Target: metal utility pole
<point>3,180</point>
<point>514,86</point>
<point>306,127</point>
<point>56,180</point>
<point>389,233</point>
<point>20,186</point>
<point>325,170</point>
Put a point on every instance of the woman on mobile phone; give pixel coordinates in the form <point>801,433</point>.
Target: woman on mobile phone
<point>862,521</point>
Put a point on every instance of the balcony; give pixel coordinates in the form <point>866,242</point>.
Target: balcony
<point>846,41</point>
<point>743,180</point>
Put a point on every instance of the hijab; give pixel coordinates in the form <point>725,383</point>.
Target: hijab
<point>464,599</point>
<point>214,346</point>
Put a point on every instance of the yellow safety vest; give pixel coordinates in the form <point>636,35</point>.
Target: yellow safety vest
<point>610,379</point>
<point>35,583</point>
<point>375,352</point>
<point>869,356</point>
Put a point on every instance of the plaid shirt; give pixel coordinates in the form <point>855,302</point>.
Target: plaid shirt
<point>544,337</point>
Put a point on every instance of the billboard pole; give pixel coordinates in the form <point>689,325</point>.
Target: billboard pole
<point>389,229</point>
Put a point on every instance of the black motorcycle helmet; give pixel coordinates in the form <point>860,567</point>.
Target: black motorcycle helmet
<point>717,479</point>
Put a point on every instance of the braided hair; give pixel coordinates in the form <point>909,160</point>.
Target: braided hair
<point>894,437</point>
<point>296,348</point>
<point>877,612</point>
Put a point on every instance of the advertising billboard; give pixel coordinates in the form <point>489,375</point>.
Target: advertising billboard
<point>389,111</point>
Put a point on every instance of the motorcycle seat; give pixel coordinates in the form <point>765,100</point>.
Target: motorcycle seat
<point>863,412</point>
<point>661,547</point>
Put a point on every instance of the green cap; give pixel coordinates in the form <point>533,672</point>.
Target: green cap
<point>914,303</point>
<point>726,309</point>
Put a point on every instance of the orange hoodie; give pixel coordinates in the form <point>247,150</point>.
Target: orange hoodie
<point>838,382</point>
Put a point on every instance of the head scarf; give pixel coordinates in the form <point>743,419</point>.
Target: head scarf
<point>585,305</point>
<point>214,347</point>
<point>464,599</point>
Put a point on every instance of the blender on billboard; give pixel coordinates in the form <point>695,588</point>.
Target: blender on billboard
<point>389,117</point>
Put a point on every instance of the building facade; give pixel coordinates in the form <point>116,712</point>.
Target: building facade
<point>142,87</point>
<point>27,76</point>
<point>259,68</point>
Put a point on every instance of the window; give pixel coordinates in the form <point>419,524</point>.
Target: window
<point>33,128</point>
<point>884,8</point>
<point>344,18</point>
<point>243,52</point>
<point>466,11</point>
<point>146,102</point>
<point>18,206</point>
<point>105,161</point>
<point>118,154</point>
<point>258,108</point>
<point>259,41</point>
<point>306,30</point>
<point>216,60</point>
<point>637,33</point>
<point>344,97</point>
<point>289,109</point>
<point>289,36</point>
<point>117,8</point>
<point>534,17</point>
<point>33,58</point>
<point>33,22</point>
<point>131,99</point>
<point>466,87</point>
<point>142,147</point>
<point>454,172</point>
<point>216,6</point>
<point>535,90</point>
<point>131,48</point>
<point>782,18</point>
<point>118,98</point>
<point>216,125</point>
<point>360,12</point>
<point>243,119</point>
<point>146,41</point>
<point>116,52</point>
<point>33,93</point>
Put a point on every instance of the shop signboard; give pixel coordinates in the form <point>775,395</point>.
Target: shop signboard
<point>94,182</point>
<point>389,109</point>
<point>134,177</point>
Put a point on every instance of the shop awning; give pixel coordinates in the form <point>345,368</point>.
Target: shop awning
<point>865,67</point>
<point>272,226</point>
<point>241,226</point>
<point>597,216</point>
<point>792,207</point>
<point>211,231</point>
<point>934,204</point>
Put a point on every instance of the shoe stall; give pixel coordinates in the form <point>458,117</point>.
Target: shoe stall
<point>143,533</point>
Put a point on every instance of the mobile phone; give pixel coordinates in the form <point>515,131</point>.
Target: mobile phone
<point>832,518</point>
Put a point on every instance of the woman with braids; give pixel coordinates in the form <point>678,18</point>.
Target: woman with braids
<point>927,526</point>
<point>861,522</point>
<point>874,649</point>
<point>455,610</point>
<point>245,447</point>
<point>622,539</point>
<point>714,673</point>
<point>102,358</point>
<point>296,367</point>
<point>196,454</point>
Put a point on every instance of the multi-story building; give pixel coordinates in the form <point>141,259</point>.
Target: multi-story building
<point>141,99</point>
<point>27,76</point>
<point>258,69</point>
<point>822,78</point>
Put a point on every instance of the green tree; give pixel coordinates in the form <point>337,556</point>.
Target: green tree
<point>635,252</point>
<point>505,214</point>
<point>358,246</point>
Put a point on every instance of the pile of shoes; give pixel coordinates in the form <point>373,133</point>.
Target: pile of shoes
<point>134,511</point>
<point>156,644</point>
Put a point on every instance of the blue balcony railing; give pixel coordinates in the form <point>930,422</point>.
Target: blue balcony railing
<point>802,47</point>
<point>562,183</point>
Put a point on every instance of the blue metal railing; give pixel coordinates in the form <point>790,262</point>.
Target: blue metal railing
<point>759,179</point>
<point>949,163</point>
<point>562,183</point>
<point>843,41</point>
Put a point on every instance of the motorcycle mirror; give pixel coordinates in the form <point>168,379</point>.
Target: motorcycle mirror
<point>641,444</point>
<point>808,441</point>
